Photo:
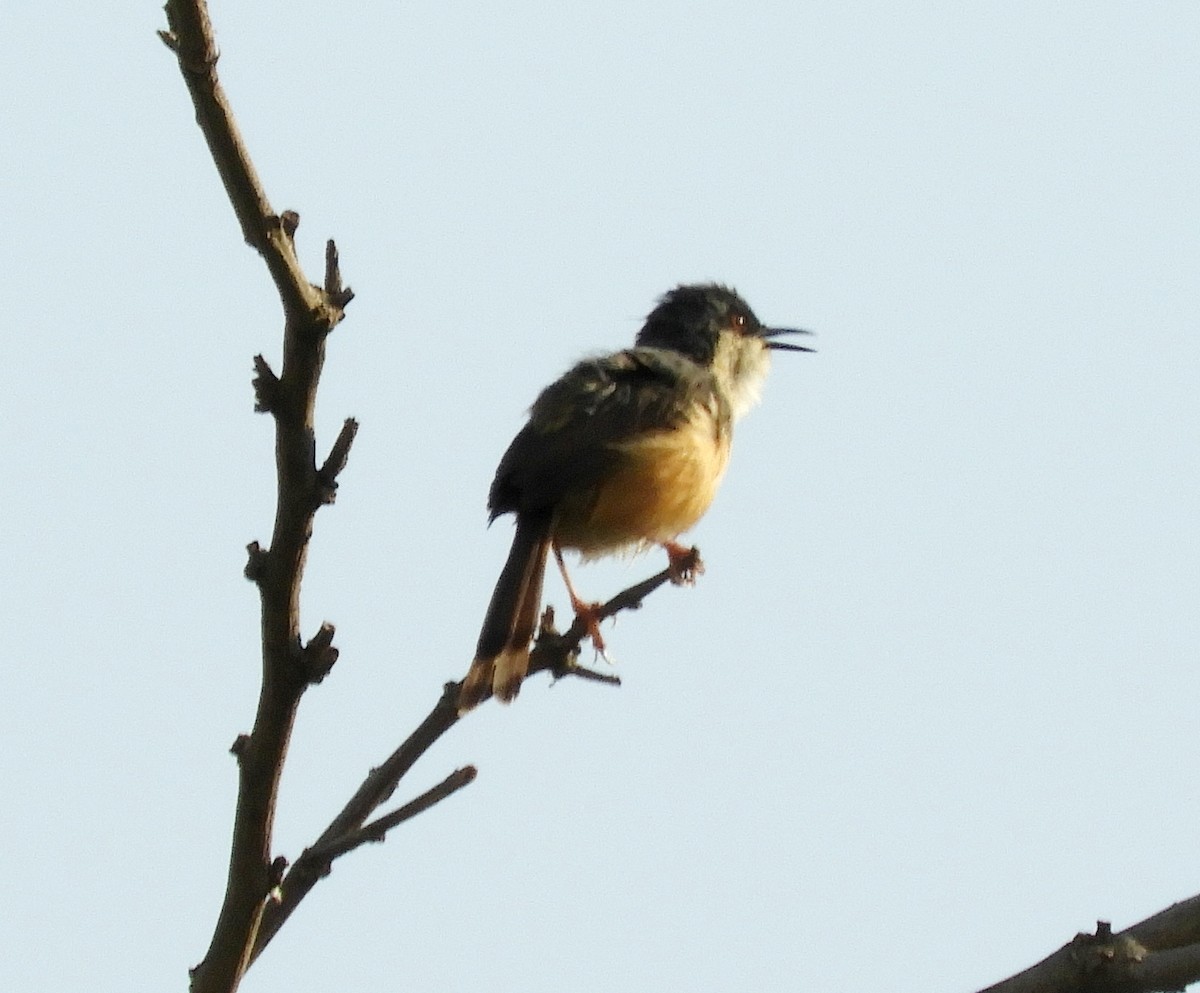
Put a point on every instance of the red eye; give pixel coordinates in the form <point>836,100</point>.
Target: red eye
<point>739,322</point>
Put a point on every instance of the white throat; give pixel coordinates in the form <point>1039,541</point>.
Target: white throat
<point>740,366</point>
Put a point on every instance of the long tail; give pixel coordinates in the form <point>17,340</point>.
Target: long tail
<point>502,654</point>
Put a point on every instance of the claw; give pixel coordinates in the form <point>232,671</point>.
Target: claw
<point>684,564</point>
<point>589,615</point>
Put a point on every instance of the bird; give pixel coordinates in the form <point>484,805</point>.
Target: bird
<point>623,452</point>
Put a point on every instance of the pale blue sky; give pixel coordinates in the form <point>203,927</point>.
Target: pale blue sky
<point>932,709</point>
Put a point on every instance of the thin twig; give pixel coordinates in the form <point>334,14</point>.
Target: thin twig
<point>375,790</point>
<point>377,829</point>
<point>336,461</point>
<point>559,653</point>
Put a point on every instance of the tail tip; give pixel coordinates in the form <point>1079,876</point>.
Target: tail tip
<point>509,671</point>
<point>475,686</point>
<point>506,691</point>
<point>501,676</point>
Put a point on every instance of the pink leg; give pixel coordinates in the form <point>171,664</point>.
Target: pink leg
<point>586,612</point>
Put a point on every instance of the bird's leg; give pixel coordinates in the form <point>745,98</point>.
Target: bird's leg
<point>588,613</point>
<point>683,563</point>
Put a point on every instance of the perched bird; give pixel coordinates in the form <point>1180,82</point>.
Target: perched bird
<point>625,450</point>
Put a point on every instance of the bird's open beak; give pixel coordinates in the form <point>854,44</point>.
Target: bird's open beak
<point>785,346</point>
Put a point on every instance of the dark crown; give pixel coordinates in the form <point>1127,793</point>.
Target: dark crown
<point>689,319</point>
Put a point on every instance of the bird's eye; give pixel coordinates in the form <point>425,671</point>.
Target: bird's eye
<point>739,322</point>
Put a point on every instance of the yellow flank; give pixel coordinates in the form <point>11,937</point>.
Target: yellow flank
<point>661,487</point>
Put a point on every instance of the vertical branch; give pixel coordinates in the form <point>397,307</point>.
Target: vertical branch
<point>310,313</point>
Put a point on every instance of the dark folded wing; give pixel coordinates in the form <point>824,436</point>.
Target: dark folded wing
<point>577,420</point>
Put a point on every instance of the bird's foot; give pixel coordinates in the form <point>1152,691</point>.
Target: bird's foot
<point>588,614</point>
<point>684,564</point>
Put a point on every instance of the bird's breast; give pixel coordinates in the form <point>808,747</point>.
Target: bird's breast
<point>660,485</point>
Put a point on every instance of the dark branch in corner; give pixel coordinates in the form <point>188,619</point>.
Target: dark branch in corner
<point>1158,955</point>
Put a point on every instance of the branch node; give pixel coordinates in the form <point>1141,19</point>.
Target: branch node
<point>333,269</point>
<point>573,668</point>
<point>256,562</point>
<point>1104,959</point>
<point>337,294</point>
<point>288,222</point>
<point>275,874</point>
<point>318,657</point>
<point>552,650</point>
<point>338,455</point>
<point>266,387</point>
<point>190,37</point>
<point>377,830</point>
<point>239,746</point>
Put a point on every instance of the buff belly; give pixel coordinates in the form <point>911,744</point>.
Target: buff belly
<point>661,486</point>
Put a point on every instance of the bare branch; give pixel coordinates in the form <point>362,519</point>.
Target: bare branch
<point>1176,927</point>
<point>1167,971</point>
<point>266,387</point>
<point>1157,955</point>
<point>328,473</point>
<point>554,652</point>
<point>375,790</point>
<point>333,277</point>
<point>310,312</point>
<point>377,829</point>
<point>559,653</point>
<point>191,39</point>
<point>319,655</point>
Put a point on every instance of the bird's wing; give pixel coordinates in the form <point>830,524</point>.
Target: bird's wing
<point>577,422</point>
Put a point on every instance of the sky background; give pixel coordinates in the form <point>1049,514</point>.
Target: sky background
<point>933,707</point>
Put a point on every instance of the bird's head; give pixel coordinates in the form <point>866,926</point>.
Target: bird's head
<point>714,327</point>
